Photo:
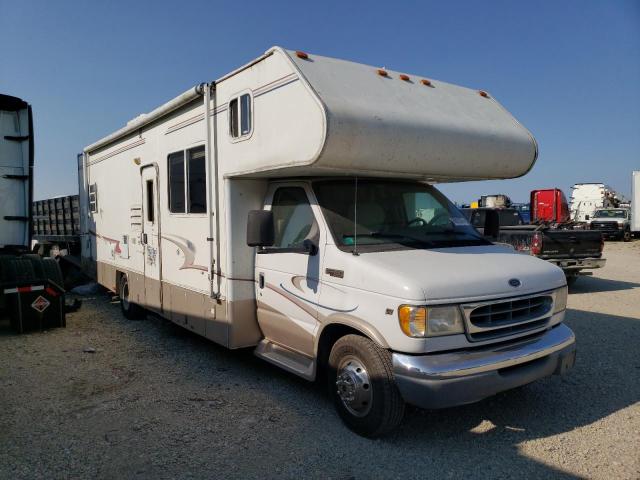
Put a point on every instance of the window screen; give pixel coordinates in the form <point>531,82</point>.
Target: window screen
<point>240,116</point>
<point>233,118</point>
<point>292,217</point>
<point>245,117</point>
<point>93,198</point>
<point>197,181</point>
<point>176,183</point>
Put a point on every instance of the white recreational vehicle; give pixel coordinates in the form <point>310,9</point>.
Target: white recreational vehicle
<point>288,207</point>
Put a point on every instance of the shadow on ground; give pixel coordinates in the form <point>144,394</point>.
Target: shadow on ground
<point>218,406</point>
<point>587,284</point>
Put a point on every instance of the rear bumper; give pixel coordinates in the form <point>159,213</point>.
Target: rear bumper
<point>578,263</point>
<point>449,379</point>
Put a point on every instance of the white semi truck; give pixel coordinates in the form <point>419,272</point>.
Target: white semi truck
<point>31,288</point>
<point>586,198</point>
<point>289,206</point>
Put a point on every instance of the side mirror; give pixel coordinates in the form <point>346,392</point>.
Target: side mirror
<point>260,232</point>
<point>491,224</point>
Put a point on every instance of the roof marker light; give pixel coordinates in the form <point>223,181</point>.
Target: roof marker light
<point>406,78</point>
<point>382,72</point>
<point>302,55</point>
<point>483,93</point>
<point>426,82</point>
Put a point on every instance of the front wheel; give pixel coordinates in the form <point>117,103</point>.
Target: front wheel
<point>129,309</point>
<point>626,236</point>
<point>362,386</point>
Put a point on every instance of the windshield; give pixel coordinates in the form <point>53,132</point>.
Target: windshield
<point>392,213</point>
<point>610,213</point>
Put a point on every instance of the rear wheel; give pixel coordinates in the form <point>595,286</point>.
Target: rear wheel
<point>362,386</point>
<point>129,309</point>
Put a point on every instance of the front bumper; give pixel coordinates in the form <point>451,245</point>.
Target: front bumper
<point>578,263</point>
<point>449,379</point>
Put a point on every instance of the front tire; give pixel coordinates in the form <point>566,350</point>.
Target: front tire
<point>362,386</point>
<point>129,309</point>
<point>626,236</point>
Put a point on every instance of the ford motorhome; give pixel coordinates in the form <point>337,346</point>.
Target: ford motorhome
<point>289,206</point>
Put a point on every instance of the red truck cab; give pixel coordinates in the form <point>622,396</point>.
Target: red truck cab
<point>549,206</point>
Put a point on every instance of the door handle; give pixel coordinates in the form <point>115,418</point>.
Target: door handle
<point>144,238</point>
<point>261,280</point>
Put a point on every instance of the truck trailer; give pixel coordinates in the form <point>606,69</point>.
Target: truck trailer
<point>31,290</point>
<point>289,207</point>
<point>635,203</point>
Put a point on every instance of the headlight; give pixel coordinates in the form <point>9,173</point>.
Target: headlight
<point>560,300</point>
<point>421,322</point>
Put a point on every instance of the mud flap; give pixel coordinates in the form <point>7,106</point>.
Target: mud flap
<point>35,306</point>
<point>566,363</point>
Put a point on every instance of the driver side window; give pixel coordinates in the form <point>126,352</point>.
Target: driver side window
<point>292,218</point>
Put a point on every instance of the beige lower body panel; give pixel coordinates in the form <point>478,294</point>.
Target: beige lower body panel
<point>232,324</point>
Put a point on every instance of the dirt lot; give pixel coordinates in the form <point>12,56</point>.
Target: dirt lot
<point>154,401</point>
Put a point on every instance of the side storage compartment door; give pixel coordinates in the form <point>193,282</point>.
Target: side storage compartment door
<point>151,237</point>
<point>288,288</point>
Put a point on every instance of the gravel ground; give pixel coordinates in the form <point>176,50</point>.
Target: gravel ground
<point>155,401</point>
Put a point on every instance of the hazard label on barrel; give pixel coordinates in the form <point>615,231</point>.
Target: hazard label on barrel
<point>40,304</point>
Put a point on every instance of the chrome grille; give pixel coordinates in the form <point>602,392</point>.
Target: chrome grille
<point>608,226</point>
<point>505,317</point>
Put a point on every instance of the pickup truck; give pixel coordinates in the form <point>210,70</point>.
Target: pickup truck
<point>571,250</point>
<point>613,223</point>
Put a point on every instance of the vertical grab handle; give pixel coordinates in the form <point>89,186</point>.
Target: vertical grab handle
<point>261,280</point>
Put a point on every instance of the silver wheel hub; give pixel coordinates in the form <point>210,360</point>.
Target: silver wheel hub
<point>354,386</point>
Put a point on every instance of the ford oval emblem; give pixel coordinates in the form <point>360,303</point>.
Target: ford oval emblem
<point>514,282</point>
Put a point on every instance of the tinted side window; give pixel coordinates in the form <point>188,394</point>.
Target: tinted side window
<point>233,118</point>
<point>292,217</point>
<point>176,182</point>
<point>197,181</point>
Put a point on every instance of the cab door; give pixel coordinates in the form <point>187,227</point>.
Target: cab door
<point>151,237</point>
<point>288,288</point>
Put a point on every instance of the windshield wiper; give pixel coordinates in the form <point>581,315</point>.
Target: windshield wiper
<point>386,235</point>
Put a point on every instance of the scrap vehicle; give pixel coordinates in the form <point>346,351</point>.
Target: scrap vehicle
<point>494,201</point>
<point>525,211</point>
<point>549,237</point>
<point>613,223</point>
<point>586,198</point>
<point>31,290</point>
<point>289,207</point>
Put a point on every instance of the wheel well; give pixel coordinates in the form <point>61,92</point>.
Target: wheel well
<point>329,336</point>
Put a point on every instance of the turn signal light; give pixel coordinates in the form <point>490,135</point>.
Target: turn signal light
<point>413,320</point>
<point>536,244</point>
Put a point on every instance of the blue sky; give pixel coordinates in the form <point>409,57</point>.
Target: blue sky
<point>569,71</point>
